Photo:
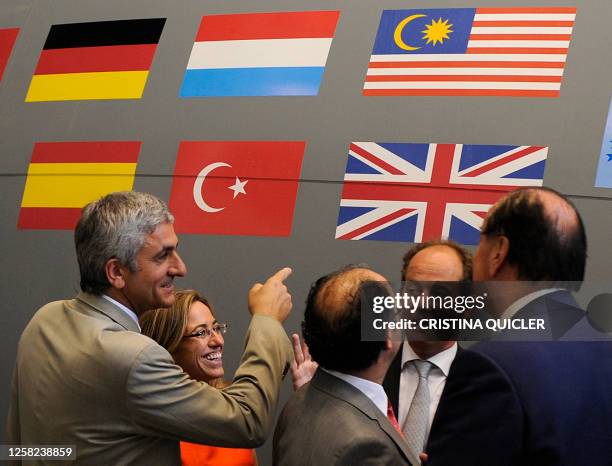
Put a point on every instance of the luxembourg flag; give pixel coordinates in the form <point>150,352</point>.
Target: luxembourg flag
<point>260,54</point>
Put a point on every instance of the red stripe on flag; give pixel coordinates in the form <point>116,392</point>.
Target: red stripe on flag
<point>86,152</point>
<point>375,160</point>
<point>501,161</point>
<point>508,23</point>
<point>467,64</point>
<point>379,222</point>
<point>520,37</point>
<point>48,218</point>
<point>92,59</point>
<point>436,197</point>
<point>536,9</point>
<point>469,78</point>
<point>464,92</point>
<point>526,50</point>
<point>7,40</point>
<point>436,205</point>
<point>423,192</point>
<point>286,25</point>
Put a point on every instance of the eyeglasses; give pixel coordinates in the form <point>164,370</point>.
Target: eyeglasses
<point>219,329</point>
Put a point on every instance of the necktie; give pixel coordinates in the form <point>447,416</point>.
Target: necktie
<point>417,421</point>
<point>393,419</point>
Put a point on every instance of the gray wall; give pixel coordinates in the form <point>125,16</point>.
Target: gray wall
<point>40,266</point>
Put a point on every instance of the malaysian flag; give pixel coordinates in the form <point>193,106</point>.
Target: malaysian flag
<point>470,51</point>
<point>416,192</point>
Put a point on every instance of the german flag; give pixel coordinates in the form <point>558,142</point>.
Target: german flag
<point>65,176</point>
<point>92,61</point>
<point>7,40</point>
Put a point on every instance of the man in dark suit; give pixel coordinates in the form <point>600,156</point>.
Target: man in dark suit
<point>432,261</point>
<point>342,415</point>
<point>529,403</point>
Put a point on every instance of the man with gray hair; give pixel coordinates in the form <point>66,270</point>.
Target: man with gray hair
<point>86,377</point>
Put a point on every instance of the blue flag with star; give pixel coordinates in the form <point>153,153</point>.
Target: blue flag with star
<point>424,31</point>
<point>604,167</point>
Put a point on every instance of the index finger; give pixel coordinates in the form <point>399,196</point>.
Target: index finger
<point>281,275</point>
<point>297,348</point>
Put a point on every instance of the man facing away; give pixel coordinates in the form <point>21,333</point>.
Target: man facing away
<point>86,377</point>
<point>529,403</point>
<point>342,416</point>
<point>418,373</point>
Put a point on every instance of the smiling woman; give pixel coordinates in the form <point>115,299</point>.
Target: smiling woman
<point>193,336</point>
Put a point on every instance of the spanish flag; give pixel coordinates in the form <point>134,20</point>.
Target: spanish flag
<point>65,176</point>
<point>93,61</point>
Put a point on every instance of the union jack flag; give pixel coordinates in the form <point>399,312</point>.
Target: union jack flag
<point>416,192</point>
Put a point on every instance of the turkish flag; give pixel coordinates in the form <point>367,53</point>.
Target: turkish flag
<point>236,187</point>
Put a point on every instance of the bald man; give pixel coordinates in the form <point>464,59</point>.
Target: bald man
<point>544,403</point>
<point>432,261</point>
<point>342,416</point>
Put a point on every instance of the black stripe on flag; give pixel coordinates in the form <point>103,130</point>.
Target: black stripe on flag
<point>101,33</point>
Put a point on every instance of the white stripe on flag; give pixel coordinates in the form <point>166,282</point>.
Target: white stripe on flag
<point>386,156</point>
<point>520,30</point>
<point>463,85</point>
<point>463,212</point>
<point>560,44</point>
<point>492,160</point>
<point>265,53</point>
<point>382,209</point>
<point>459,71</point>
<point>525,17</point>
<point>553,57</point>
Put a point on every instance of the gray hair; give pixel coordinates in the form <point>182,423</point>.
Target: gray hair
<point>115,226</point>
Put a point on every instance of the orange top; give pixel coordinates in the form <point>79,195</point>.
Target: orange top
<point>193,454</point>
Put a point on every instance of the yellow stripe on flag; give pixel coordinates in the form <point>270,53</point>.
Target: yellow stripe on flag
<point>74,184</point>
<point>87,86</point>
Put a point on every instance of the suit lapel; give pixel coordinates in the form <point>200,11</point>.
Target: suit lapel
<point>108,309</point>
<point>442,395</point>
<point>392,380</point>
<point>340,389</point>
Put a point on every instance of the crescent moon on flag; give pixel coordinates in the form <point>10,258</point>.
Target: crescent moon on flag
<point>199,182</point>
<point>397,35</point>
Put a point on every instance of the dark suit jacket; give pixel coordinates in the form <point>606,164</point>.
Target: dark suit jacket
<point>330,422</point>
<point>544,403</point>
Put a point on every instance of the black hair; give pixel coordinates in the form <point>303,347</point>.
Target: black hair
<point>334,335</point>
<point>540,249</point>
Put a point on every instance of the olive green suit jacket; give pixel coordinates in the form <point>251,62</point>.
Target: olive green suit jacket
<point>85,376</point>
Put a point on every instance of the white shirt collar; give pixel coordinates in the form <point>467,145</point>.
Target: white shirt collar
<point>441,360</point>
<point>125,309</point>
<point>524,300</point>
<point>374,391</point>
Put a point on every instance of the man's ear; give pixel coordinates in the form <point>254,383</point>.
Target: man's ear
<point>115,273</point>
<point>499,255</point>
